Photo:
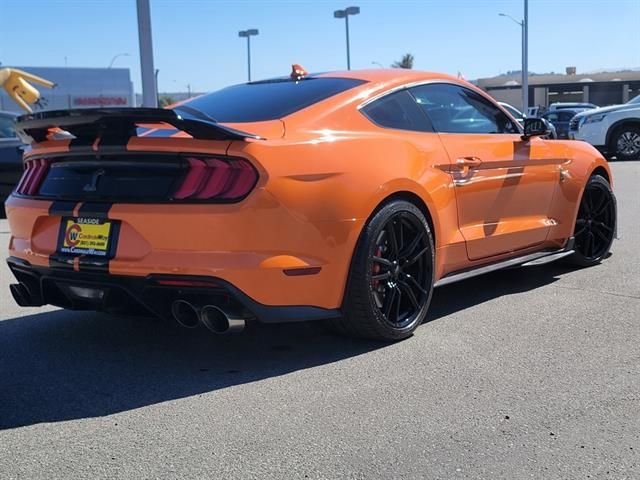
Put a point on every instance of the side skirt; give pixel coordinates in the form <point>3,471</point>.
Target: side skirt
<point>537,258</point>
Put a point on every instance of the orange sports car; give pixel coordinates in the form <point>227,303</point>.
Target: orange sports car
<point>344,196</point>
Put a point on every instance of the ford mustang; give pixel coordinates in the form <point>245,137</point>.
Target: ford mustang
<point>345,196</point>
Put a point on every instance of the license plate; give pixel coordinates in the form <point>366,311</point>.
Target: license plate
<point>86,236</point>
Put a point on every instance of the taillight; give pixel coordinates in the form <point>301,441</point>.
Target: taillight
<point>217,179</point>
<point>34,173</point>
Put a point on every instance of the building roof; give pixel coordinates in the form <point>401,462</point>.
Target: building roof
<point>515,80</point>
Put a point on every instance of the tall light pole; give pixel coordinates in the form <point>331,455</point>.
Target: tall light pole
<point>524,25</point>
<point>248,34</point>
<point>116,57</point>
<point>149,93</point>
<point>345,14</point>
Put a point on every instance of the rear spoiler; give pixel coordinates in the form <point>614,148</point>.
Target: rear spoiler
<point>115,126</point>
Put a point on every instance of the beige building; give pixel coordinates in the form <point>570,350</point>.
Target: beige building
<point>607,88</point>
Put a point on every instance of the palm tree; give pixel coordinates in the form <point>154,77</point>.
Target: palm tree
<point>405,62</point>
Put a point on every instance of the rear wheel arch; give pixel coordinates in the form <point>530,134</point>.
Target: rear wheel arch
<point>405,195</point>
<point>416,200</point>
<point>358,307</point>
<point>600,170</point>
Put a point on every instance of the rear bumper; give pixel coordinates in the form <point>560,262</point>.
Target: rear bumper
<point>276,255</point>
<point>147,295</point>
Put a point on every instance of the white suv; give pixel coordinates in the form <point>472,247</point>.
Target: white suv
<point>614,130</point>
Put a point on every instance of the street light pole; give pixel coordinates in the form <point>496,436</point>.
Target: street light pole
<point>525,67</point>
<point>345,14</point>
<point>525,57</point>
<point>115,57</point>
<point>248,34</point>
<point>149,93</point>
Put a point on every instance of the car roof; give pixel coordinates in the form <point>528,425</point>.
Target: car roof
<point>5,113</point>
<point>391,75</point>
<point>570,110</point>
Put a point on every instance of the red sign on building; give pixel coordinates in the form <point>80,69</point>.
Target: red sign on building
<point>100,101</point>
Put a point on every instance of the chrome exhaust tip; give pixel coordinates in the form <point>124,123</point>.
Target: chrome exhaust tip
<point>219,321</point>
<point>185,314</point>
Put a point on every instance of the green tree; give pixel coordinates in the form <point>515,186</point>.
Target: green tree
<point>165,101</point>
<point>405,62</point>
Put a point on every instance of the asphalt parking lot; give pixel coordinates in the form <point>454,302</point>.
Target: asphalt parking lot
<point>526,373</point>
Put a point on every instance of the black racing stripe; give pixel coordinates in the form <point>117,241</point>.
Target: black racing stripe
<point>89,264</point>
<point>57,260</point>
<point>82,142</point>
<point>95,210</point>
<point>62,208</point>
<point>97,264</point>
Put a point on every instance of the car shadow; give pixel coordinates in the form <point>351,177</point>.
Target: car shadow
<point>63,365</point>
<point>453,298</point>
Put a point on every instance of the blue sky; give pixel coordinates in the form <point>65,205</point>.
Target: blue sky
<point>196,41</point>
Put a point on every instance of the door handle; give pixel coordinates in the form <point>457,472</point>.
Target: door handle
<point>467,163</point>
<point>470,162</point>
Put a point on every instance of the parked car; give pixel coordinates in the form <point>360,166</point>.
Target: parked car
<point>560,119</point>
<point>614,130</point>
<point>345,196</point>
<point>570,106</point>
<point>11,149</point>
<point>515,113</point>
<point>519,116</point>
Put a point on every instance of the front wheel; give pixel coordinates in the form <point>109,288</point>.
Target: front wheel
<point>391,278</point>
<point>596,223</point>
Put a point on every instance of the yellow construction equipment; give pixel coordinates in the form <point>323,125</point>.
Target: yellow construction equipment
<point>16,83</point>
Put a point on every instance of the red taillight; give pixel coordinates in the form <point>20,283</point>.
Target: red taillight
<point>33,175</point>
<point>214,178</point>
<point>189,283</point>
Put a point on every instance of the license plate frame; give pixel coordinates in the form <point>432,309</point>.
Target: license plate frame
<point>99,241</point>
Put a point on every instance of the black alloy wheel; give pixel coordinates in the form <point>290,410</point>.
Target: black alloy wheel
<point>391,278</point>
<point>596,223</point>
<point>400,269</point>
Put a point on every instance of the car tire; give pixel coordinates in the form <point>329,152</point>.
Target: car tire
<point>391,278</point>
<point>625,143</point>
<point>595,226</point>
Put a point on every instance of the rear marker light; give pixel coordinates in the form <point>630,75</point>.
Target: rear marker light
<point>32,178</point>
<point>296,272</point>
<point>214,178</point>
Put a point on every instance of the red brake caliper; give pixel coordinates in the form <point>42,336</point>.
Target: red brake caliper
<point>376,268</point>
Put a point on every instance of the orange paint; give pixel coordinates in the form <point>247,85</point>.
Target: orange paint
<point>322,172</point>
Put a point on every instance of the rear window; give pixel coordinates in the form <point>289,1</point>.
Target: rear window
<point>269,99</point>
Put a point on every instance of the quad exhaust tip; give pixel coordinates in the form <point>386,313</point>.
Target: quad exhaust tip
<point>214,318</point>
<point>219,321</point>
<point>185,314</point>
<point>21,295</point>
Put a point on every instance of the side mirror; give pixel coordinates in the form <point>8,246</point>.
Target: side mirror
<point>536,127</point>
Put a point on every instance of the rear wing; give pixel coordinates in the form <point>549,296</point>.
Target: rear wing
<point>115,126</point>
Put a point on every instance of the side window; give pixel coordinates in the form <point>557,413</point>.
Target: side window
<point>565,116</point>
<point>397,110</point>
<point>7,127</point>
<point>455,109</point>
<point>553,117</point>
